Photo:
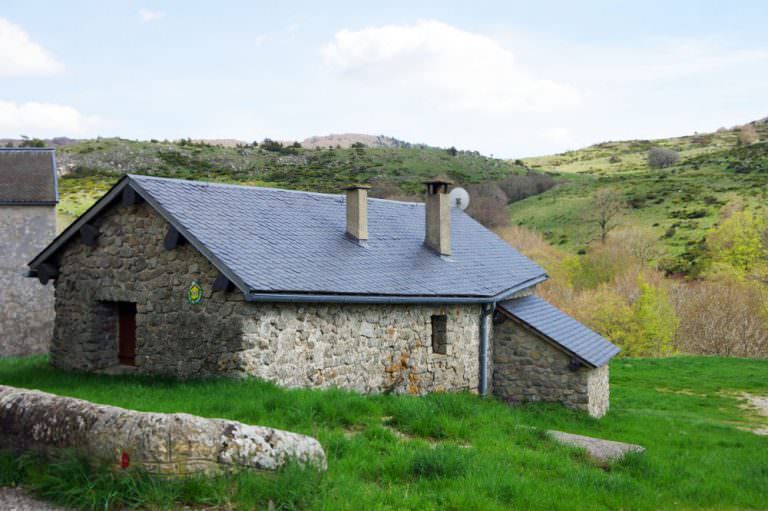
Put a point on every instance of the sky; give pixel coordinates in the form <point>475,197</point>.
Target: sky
<point>506,78</point>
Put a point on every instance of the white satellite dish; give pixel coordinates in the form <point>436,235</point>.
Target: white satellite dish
<point>458,198</point>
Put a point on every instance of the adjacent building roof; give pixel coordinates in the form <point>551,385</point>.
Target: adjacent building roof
<point>28,177</point>
<point>560,329</point>
<point>273,243</point>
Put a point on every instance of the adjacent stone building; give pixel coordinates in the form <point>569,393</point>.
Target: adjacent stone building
<point>28,199</point>
<point>193,279</point>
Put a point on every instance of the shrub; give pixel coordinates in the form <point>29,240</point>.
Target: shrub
<point>726,318</point>
<point>747,135</point>
<point>659,157</point>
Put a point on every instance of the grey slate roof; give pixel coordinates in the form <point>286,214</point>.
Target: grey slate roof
<point>561,329</point>
<point>27,176</point>
<point>281,241</point>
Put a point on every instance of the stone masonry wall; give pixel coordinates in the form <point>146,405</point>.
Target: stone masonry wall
<point>26,306</point>
<point>528,368</point>
<point>370,348</point>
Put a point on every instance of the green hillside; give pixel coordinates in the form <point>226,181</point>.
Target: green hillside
<point>90,167</point>
<point>678,203</point>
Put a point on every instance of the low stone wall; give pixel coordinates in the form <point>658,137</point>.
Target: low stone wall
<point>172,444</point>
<point>26,306</point>
<point>528,368</point>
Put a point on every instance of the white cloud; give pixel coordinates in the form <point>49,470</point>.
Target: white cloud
<point>19,55</point>
<point>434,62</point>
<point>44,120</point>
<point>148,15</point>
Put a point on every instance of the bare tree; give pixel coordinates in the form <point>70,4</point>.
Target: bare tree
<point>658,157</point>
<point>726,318</point>
<point>488,205</point>
<point>606,208</point>
<point>747,135</point>
<point>641,242</point>
<point>518,187</point>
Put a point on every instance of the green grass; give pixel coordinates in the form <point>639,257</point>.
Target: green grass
<point>455,451</point>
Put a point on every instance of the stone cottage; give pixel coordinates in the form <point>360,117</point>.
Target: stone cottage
<point>190,279</point>
<point>28,199</point>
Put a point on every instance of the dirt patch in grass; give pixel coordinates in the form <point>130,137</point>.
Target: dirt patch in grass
<point>758,404</point>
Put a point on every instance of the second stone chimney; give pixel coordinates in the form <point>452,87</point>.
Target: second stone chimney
<point>357,211</point>
<point>438,217</point>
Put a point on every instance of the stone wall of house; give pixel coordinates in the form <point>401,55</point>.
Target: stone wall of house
<point>370,348</point>
<point>528,368</point>
<point>26,306</point>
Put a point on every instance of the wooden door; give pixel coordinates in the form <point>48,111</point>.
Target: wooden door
<point>126,344</point>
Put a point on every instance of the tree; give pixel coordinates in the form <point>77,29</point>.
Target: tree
<point>606,208</point>
<point>271,145</point>
<point>739,243</point>
<point>452,151</point>
<point>641,242</point>
<point>747,135</point>
<point>657,323</point>
<point>34,142</point>
<point>658,157</point>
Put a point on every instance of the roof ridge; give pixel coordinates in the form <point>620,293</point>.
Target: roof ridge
<point>140,177</point>
<point>27,149</point>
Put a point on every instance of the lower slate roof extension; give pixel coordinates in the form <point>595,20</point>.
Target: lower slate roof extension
<point>283,245</point>
<point>560,329</point>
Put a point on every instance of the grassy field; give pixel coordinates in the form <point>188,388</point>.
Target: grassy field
<point>678,203</point>
<point>448,451</point>
<point>92,166</point>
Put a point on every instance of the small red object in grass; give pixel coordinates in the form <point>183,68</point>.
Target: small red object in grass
<point>125,460</point>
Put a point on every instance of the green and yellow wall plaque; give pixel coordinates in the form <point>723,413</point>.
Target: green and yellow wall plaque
<point>195,293</point>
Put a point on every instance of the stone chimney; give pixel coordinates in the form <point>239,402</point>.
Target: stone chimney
<point>357,211</point>
<point>438,217</point>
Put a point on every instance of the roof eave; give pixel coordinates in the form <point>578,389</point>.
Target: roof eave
<point>29,203</point>
<point>257,296</point>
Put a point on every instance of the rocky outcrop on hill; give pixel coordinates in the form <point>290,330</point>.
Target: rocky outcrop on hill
<point>171,444</point>
<point>347,139</point>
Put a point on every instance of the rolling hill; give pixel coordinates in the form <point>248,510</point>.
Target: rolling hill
<point>90,167</point>
<point>677,203</point>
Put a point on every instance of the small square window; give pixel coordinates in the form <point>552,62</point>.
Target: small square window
<point>440,334</point>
